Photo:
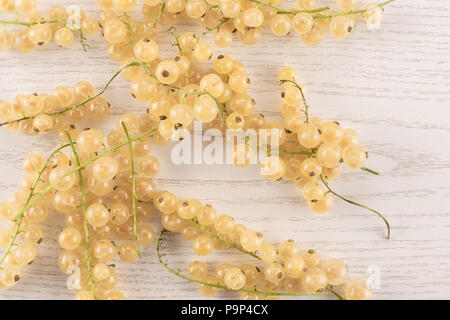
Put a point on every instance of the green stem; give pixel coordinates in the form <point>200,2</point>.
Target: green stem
<point>20,215</point>
<point>82,38</point>
<point>177,41</point>
<point>28,24</point>
<point>216,285</point>
<point>303,98</point>
<point>229,244</point>
<point>85,222</point>
<point>358,205</point>
<point>331,289</point>
<point>345,13</point>
<point>133,185</point>
<point>209,30</point>
<point>160,12</point>
<point>370,171</point>
<point>298,152</point>
<point>284,11</point>
<point>180,50</point>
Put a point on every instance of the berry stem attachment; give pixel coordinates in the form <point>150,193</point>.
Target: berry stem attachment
<point>133,185</point>
<point>85,222</point>
<point>358,205</point>
<point>346,13</point>
<point>21,214</point>
<point>191,93</point>
<point>219,286</point>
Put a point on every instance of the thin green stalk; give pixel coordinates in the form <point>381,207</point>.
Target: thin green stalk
<point>219,286</point>
<point>209,30</point>
<point>21,214</point>
<point>133,185</point>
<point>82,39</point>
<point>303,98</point>
<point>85,222</point>
<point>160,12</point>
<point>345,13</point>
<point>29,24</point>
<point>180,50</point>
<point>370,171</point>
<point>297,152</point>
<point>177,41</point>
<point>229,244</point>
<point>358,205</point>
<point>284,11</point>
<point>331,289</point>
<point>128,24</point>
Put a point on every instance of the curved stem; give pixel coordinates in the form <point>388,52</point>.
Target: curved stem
<point>219,286</point>
<point>20,215</point>
<point>284,11</point>
<point>209,30</point>
<point>345,13</point>
<point>133,185</point>
<point>358,205</point>
<point>82,39</point>
<point>303,98</point>
<point>85,222</point>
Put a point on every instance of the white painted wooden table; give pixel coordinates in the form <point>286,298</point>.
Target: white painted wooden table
<point>391,85</point>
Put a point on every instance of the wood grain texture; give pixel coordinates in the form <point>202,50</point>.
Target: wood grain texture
<point>391,85</point>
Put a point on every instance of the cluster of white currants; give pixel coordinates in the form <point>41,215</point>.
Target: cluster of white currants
<point>39,114</point>
<point>286,266</point>
<point>59,27</point>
